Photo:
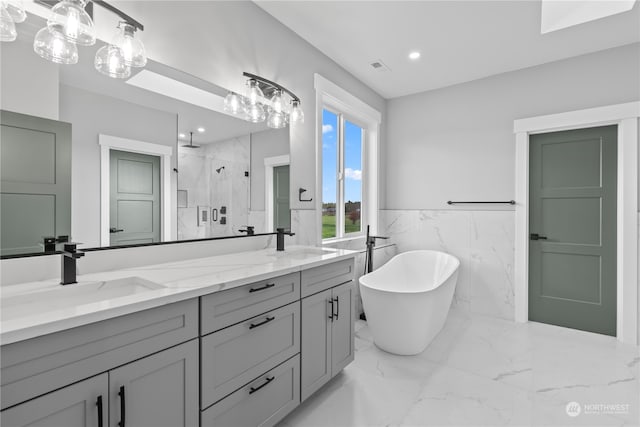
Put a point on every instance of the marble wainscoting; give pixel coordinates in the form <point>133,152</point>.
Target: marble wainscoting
<point>482,240</point>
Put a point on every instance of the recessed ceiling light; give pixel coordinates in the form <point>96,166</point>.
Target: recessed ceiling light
<point>182,135</point>
<point>200,129</point>
<point>414,55</point>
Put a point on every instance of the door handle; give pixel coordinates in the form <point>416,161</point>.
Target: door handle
<point>330,301</point>
<point>115,230</point>
<point>536,236</point>
<point>122,407</point>
<point>99,405</point>
<point>337,300</point>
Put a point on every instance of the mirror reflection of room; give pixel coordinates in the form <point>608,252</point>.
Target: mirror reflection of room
<point>116,150</point>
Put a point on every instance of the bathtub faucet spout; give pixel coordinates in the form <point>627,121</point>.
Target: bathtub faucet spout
<point>371,243</point>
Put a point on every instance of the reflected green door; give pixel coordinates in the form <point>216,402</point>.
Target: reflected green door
<point>281,209</point>
<point>572,199</point>
<point>135,198</point>
<point>35,182</point>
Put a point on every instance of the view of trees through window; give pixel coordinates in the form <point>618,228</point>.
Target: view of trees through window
<point>341,175</point>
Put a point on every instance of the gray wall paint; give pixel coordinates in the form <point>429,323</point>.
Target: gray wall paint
<point>269,143</point>
<point>458,142</point>
<point>29,84</point>
<point>91,115</point>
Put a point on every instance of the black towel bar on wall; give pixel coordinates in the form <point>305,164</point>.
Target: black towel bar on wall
<point>509,202</point>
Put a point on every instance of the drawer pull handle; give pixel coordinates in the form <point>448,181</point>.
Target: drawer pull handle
<point>337,300</point>
<point>254,389</point>
<point>331,302</point>
<point>100,416</point>
<point>255,325</point>
<point>267,286</point>
<point>122,407</point>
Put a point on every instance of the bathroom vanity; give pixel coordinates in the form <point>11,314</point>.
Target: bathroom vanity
<point>232,340</point>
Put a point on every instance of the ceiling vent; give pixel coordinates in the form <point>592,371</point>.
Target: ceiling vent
<point>380,66</point>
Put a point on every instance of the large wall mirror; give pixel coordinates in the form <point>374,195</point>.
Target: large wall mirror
<point>110,162</point>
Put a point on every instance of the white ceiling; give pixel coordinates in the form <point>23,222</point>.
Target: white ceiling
<point>459,40</point>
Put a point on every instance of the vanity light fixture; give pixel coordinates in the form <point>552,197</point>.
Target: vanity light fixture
<point>414,55</point>
<point>12,13</point>
<point>201,129</point>
<point>255,108</point>
<point>70,24</point>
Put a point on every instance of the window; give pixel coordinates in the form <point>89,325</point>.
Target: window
<point>342,175</point>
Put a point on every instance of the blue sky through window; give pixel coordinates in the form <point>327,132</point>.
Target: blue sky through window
<point>352,158</point>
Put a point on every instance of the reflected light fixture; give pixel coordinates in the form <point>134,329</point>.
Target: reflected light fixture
<point>201,129</point>
<point>233,103</point>
<point>109,60</point>
<point>53,46</point>
<point>257,109</point>
<point>12,13</point>
<point>414,55</point>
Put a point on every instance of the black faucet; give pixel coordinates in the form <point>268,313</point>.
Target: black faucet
<point>249,229</point>
<point>371,243</point>
<point>280,238</point>
<point>68,268</point>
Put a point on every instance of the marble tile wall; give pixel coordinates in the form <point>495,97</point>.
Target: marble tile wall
<point>206,187</point>
<point>483,241</point>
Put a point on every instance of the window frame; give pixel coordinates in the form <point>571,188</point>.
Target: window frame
<point>341,215</point>
<point>335,99</point>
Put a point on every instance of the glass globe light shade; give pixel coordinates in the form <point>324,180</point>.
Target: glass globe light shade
<point>110,61</point>
<point>255,113</point>
<point>71,20</point>
<point>297,115</point>
<point>8,31</point>
<point>132,48</point>
<point>277,120</point>
<point>254,93</point>
<point>233,103</point>
<point>277,103</point>
<point>15,8</point>
<point>53,46</point>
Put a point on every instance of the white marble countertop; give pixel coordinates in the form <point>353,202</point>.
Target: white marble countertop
<point>29,310</point>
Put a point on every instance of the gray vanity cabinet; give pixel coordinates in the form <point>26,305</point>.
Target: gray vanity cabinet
<point>157,391</point>
<point>73,406</point>
<point>327,343</point>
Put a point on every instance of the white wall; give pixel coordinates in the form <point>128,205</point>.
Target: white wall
<point>92,114</point>
<point>28,83</point>
<point>457,143</point>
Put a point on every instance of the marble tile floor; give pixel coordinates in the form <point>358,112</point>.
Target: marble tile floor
<point>483,371</point>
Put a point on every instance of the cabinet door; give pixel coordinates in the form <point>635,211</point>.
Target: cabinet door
<point>72,406</point>
<point>158,391</point>
<point>342,334</point>
<point>315,350</point>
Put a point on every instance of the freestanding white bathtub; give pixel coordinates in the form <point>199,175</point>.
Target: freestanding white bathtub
<point>406,301</point>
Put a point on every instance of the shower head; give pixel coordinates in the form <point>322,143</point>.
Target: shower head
<point>190,144</point>
<point>220,169</point>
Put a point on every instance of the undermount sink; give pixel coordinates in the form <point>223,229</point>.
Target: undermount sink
<point>70,296</point>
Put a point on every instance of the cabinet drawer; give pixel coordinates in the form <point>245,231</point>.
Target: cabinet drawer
<point>39,365</point>
<point>236,355</point>
<point>222,309</point>
<point>318,279</point>
<point>262,403</point>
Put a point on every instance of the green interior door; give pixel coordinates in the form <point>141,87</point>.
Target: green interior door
<point>572,221</point>
<point>281,208</point>
<point>135,198</point>
<point>35,201</point>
